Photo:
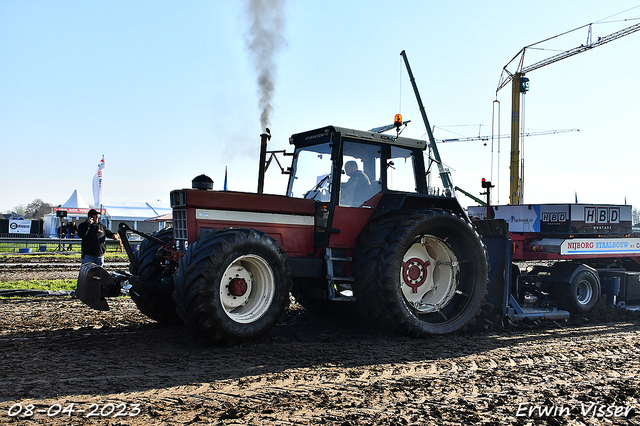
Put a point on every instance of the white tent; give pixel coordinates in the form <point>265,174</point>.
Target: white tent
<point>134,214</point>
<point>75,202</point>
<point>51,223</point>
<point>76,209</point>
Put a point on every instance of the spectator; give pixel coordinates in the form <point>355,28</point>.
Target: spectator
<point>94,235</point>
<point>62,230</point>
<point>73,229</point>
<point>73,232</point>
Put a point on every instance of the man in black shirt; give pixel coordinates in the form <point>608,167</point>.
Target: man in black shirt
<point>73,232</point>
<point>94,235</point>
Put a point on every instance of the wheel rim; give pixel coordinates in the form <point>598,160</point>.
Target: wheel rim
<point>584,292</point>
<point>429,274</point>
<point>247,289</point>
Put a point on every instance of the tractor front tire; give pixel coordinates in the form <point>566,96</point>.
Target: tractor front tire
<point>422,272</point>
<point>154,298</point>
<point>233,285</point>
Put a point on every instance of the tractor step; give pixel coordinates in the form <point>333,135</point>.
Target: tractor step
<point>334,279</point>
<point>339,287</point>
<point>342,259</point>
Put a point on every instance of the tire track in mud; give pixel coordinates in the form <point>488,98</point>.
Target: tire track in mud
<point>418,391</point>
<point>310,371</point>
<point>58,351</point>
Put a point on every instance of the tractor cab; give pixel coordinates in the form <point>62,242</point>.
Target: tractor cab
<point>347,168</point>
<point>356,175</point>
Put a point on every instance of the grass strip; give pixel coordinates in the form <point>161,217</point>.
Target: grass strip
<point>39,285</point>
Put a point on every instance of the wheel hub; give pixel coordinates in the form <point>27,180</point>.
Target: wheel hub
<point>429,274</point>
<point>238,287</point>
<point>248,289</point>
<point>584,291</point>
<point>414,272</point>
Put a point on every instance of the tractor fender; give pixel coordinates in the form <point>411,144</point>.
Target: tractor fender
<point>565,272</point>
<point>393,202</point>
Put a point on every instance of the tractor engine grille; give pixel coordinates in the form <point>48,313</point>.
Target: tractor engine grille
<point>178,198</point>
<point>180,228</point>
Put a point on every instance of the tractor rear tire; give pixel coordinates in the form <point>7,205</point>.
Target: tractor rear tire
<point>154,298</point>
<point>422,272</point>
<point>580,295</point>
<point>233,285</point>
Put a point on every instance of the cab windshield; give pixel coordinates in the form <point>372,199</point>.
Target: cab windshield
<point>361,176</point>
<point>311,173</point>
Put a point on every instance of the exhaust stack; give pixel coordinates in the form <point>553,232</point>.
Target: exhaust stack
<point>263,159</point>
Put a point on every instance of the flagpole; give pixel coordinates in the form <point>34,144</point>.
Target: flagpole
<point>97,186</point>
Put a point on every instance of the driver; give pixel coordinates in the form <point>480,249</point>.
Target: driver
<point>354,191</point>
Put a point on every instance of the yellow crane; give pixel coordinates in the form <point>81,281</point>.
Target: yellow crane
<point>520,85</point>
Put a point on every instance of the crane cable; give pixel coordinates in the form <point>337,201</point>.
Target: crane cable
<point>619,13</point>
<point>496,103</point>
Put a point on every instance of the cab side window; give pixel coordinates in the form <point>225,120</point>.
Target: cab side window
<point>360,179</point>
<point>400,171</point>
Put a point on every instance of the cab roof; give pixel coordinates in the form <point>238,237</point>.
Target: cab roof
<point>312,137</point>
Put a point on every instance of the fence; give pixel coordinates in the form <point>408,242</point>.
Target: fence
<point>30,244</point>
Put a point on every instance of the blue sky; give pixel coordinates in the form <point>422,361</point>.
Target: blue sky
<point>167,90</point>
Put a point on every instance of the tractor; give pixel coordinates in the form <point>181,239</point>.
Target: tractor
<point>359,226</point>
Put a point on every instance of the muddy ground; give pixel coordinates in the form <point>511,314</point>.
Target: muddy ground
<point>62,363</point>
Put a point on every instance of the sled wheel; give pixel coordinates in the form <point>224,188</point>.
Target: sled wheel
<point>233,285</point>
<point>580,295</point>
<point>423,272</point>
<point>153,297</point>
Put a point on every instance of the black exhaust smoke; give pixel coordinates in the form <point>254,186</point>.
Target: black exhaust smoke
<point>264,38</point>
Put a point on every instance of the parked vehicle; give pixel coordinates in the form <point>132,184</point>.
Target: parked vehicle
<point>572,253</point>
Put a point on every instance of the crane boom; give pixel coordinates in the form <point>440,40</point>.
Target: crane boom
<point>507,76</point>
<point>486,138</point>
<point>520,85</point>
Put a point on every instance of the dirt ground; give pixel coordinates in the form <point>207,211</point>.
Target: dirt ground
<point>62,363</point>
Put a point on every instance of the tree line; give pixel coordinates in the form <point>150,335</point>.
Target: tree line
<point>34,210</point>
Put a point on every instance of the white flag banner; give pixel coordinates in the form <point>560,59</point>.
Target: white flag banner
<point>98,184</point>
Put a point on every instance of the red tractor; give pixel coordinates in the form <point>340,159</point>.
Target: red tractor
<point>359,224</point>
